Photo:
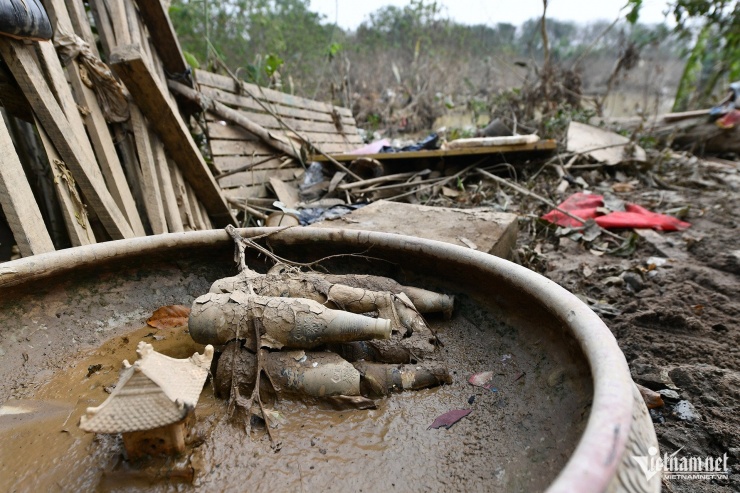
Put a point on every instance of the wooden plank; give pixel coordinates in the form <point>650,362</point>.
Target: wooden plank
<point>73,210</point>
<point>103,24</point>
<point>246,102</point>
<point>85,171</point>
<point>163,37</point>
<point>228,163</point>
<point>285,192</point>
<point>253,192</point>
<point>119,22</point>
<point>57,82</point>
<point>218,130</point>
<point>270,122</point>
<point>257,177</point>
<point>128,63</point>
<point>18,203</point>
<point>206,219</point>
<point>97,127</point>
<point>194,208</point>
<point>169,201</point>
<point>541,146</point>
<point>150,181</point>
<point>105,150</point>
<point>183,203</point>
<point>81,23</point>
<point>228,84</point>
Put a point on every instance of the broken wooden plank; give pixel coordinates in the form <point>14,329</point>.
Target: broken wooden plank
<point>164,117</point>
<point>285,192</point>
<point>228,84</point>
<point>164,38</point>
<point>85,171</point>
<point>169,201</point>
<point>150,181</point>
<point>73,209</point>
<point>18,203</point>
<point>218,130</point>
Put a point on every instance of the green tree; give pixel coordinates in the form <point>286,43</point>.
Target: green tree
<point>714,26</point>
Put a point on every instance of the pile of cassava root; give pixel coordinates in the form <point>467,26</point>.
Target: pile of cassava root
<point>342,339</point>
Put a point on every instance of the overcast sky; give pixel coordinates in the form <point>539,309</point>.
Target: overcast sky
<point>350,13</point>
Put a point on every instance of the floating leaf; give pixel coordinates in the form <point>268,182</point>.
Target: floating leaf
<point>480,379</point>
<point>449,418</point>
<point>168,317</point>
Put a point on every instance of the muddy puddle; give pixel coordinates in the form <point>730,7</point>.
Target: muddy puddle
<point>516,439</point>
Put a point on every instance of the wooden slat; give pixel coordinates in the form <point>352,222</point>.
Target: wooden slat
<point>247,103</point>
<point>183,203</point>
<point>150,180</point>
<point>228,163</point>
<point>119,21</point>
<point>73,210</point>
<point>271,123</point>
<point>128,63</point>
<point>81,23</point>
<point>169,201</point>
<point>86,173</point>
<point>270,95</point>
<point>217,130</point>
<point>103,24</point>
<point>195,208</point>
<point>18,203</point>
<point>163,36</point>
<point>257,177</point>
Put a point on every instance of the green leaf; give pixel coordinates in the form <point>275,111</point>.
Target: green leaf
<point>272,64</point>
<point>191,60</point>
<point>634,14</point>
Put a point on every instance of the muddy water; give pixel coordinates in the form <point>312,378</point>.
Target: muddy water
<point>516,438</point>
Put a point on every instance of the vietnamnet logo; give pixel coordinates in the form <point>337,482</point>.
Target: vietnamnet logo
<point>673,467</point>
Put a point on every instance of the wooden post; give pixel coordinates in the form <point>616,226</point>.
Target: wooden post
<point>18,202</point>
<point>130,65</point>
<point>86,172</point>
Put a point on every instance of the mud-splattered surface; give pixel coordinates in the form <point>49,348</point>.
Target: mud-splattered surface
<point>516,438</point>
<point>677,323</point>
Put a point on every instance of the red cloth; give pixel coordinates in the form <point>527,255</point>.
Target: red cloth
<point>585,206</point>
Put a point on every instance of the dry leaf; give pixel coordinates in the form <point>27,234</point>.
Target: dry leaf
<point>652,399</point>
<point>449,418</point>
<point>168,317</point>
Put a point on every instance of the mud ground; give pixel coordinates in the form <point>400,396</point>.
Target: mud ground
<point>676,323</point>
